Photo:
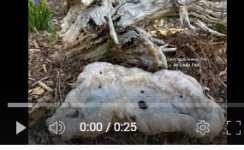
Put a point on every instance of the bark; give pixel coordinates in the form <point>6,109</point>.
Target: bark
<point>98,29</point>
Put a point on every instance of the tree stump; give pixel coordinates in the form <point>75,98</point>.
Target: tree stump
<point>101,29</point>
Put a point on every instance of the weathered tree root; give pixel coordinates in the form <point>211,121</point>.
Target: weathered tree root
<point>135,47</point>
<point>94,27</point>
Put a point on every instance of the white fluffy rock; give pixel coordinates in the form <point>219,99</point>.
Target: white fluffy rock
<point>108,93</point>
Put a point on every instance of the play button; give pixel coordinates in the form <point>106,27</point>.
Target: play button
<point>19,127</point>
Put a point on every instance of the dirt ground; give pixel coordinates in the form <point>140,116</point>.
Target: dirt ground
<point>50,81</point>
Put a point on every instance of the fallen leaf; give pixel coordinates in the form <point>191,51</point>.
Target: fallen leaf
<point>38,91</point>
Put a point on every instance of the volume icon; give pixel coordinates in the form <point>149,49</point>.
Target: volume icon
<point>57,127</point>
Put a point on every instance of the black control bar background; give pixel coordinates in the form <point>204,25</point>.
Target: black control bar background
<point>235,69</point>
<point>13,69</point>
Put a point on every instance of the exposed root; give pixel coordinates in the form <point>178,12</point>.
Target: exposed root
<point>204,27</point>
<point>184,18</point>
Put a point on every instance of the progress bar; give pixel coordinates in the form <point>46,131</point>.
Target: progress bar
<point>82,105</point>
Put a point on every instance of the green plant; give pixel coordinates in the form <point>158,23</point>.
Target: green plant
<point>39,15</point>
<point>109,46</point>
<point>220,28</point>
<point>53,35</point>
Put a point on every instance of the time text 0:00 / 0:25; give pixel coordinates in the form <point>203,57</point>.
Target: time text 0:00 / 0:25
<point>117,127</point>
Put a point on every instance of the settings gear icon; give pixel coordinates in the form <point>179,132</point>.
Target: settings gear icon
<point>203,127</point>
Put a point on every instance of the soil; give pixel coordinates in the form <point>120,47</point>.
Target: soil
<point>205,54</point>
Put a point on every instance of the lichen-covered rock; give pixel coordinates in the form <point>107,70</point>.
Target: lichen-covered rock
<point>165,101</point>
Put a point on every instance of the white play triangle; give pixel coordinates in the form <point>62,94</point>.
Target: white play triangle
<point>19,127</point>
